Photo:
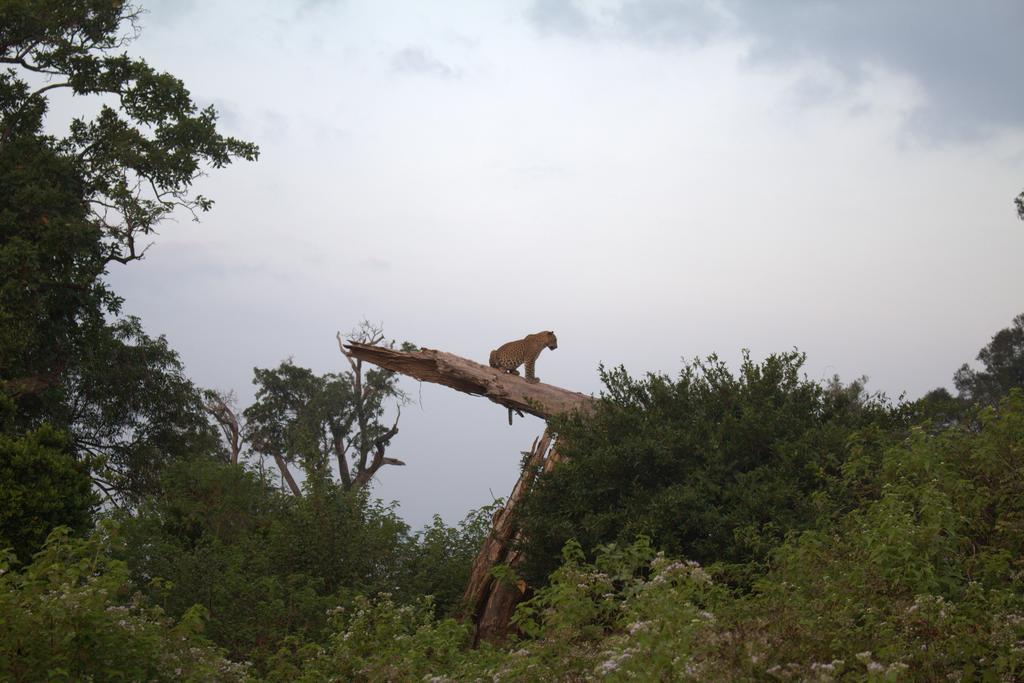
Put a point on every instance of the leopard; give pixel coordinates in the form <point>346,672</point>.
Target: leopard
<point>510,356</point>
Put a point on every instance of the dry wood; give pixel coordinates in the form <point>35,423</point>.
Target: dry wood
<point>462,374</point>
<point>488,601</point>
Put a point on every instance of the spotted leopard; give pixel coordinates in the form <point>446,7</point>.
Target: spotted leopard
<point>510,356</point>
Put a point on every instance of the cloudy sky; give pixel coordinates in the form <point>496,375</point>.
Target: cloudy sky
<point>652,179</point>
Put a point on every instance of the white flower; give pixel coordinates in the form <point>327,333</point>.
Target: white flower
<point>638,627</point>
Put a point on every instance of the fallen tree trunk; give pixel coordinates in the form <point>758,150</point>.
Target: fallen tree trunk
<point>462,374</point>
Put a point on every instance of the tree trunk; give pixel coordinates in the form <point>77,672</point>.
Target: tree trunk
<point>462,374</point>
<point>488,601</point>
<point>283,466</point>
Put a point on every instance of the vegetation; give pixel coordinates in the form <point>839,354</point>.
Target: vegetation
<point>328,422</point>
<point>716,466</point>
<point>73,614</point>
<point>72,205</point>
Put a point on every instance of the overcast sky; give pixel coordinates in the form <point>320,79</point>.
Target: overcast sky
<point>653,180</point>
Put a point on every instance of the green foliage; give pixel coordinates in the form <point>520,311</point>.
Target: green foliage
<point>71,205</point>
<point>264,565</point>
<point>377,640</point>
<point>137,162</point>
<point>130,410</point>
<point>438,559</point>
<point>920,582</point>
<point>41,487</point>
<point>918,578</point>
<point>631,614</point>
<point>326,421</point>
<point>1003,359</point>
<point>714,466</point>
<point>50,261</point>
<point>73,615</point>
<point>301,417</point>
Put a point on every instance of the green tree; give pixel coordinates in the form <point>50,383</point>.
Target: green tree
<point>439,557</point>
<point>264,565</point>
<point>72,204</point>
<point>716,466</point>
<point>130,411</point>
<point>1003,361</point>
<point>41,487</point>
<point>1019,201</point>
<point>326,422</point>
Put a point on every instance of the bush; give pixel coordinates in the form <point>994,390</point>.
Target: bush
<point>712,466</point>
<point>923,582</point>
<point>377,640</point>
<point>72,614</point>
<point>41,487</point>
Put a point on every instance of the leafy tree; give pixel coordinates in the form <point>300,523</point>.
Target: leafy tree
<point>1003,361</point>
<point>130,411</point>
<point>326,422</point>
<point>712,465</point>
<point>940,406</point>
<point>41,487</point>
<point>72,204</point>
<point>1019,201</point>
<point>264,565</point>
<point>137,162</point>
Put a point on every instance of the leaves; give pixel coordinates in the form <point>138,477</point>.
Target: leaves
<point>716,465</point>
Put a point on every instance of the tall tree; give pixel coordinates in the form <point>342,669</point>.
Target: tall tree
<point>326,423</point>
<point>73,203</point>
<point>1003,361</point>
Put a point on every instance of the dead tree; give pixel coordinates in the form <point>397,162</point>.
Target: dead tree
<point>221,407</point>
<point>489,602</point>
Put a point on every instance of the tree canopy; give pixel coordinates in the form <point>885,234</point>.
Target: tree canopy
<point>1003,362</point>
<point>326,423</point>
<point>72,203</point>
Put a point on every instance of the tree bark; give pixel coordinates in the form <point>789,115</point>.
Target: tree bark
<point>219,406</point>
<point>488,601</point>
<point>283,466</point>
<point>462,374</point>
